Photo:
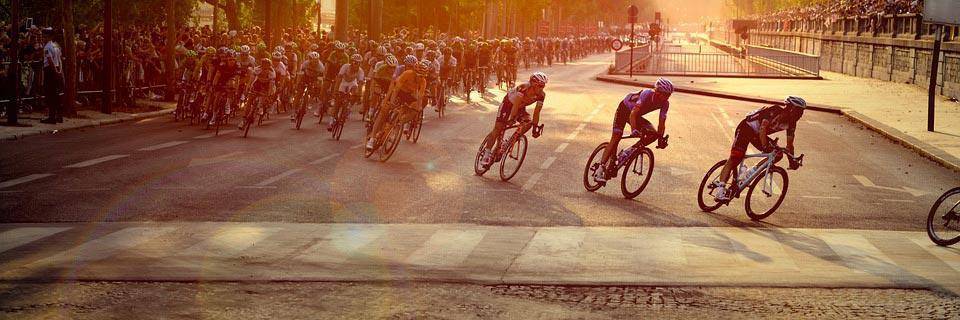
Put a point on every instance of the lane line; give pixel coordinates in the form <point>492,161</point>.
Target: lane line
<point>722,127</point>
<point>96,161</point>
<point>589,118</point>
<point>580,127</point>
<point>561,147</point>
<point>276,178</point>
<point>546,164</point>
<point>821,197</point>
<point>24,179</point>
<point>324,159</point>
<point>533,181</point>
<point>205,136</point>
<point>162,145</point>
<point>898,200</point>
<point>356,146</point>
<point>256,187</point>
<point>573,135</point>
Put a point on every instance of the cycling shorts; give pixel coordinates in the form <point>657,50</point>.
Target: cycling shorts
<point>744,136</point>
<point>622,118</point>
<point>503,115</point>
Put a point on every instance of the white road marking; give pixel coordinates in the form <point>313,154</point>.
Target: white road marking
<point>573,135</point>
<point>356,146</point>
<point>446,248</point>
<point>726,117</point>
<point>230,242</point>
<point>589,118</point>
<point>546,164</point>
<point>341,243</point>
<point>533,181</point>
<point>898,200</point>
<point>257,187</point>
<point>674,171</point>
<point>174,188</point>
<point>87,189</point>
<point>205,136</point>
<point>204,161</point>
<point>106,246</point>
<point>561,147</point>
<point>24,179</point>
<point>96,161</point>
<point>581,126</point>
<point>821,197</point>
<point>278,177</point>
<point>162,145</point>
<point>145,120</point>
<point>869,184</point>
<point>324,159</point>
<point>722,127</point>
<point>21,236</point>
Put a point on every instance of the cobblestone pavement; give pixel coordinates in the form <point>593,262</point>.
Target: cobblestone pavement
<point>318,300</point>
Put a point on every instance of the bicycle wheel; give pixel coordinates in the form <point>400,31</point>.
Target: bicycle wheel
<point>417,128</point>
<point>636,174</point>
<point>773,189</point>
<point>248,119</point>
<point>301,111</point>
<point>705,192</point>
<point>513,158</point>
<point>593,164</point>
<point>391,140</point>
<point>947,210</point>
<point>478,168</point>
<point>339,123</point>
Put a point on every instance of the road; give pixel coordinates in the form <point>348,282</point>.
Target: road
<point>159,170</point>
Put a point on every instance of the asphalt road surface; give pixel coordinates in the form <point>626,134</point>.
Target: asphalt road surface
<point>159,170</point>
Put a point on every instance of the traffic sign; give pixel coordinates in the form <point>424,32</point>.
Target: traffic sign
<point>632,12</point>
<point>616,44</point>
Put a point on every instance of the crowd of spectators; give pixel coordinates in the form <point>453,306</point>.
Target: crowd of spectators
<point>832,10</point>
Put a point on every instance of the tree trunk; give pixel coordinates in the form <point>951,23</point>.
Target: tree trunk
<point>340,27</point>
<point>168,61</point>
<point>232,11</point>
<point>69,59</point>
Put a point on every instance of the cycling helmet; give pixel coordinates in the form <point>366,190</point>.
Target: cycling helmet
<point>313,55</point>
<point>339,45</point>
<point>391,61</point>
<point>664,86</point>
<point>191,54</point>
<point>277,55</point>
<point>381,50</point>
<point>538,77</point>
<point>356,58</point>
<point>418,46</point>
<point>410,60</point>
<point>423,68</point>
<point>278,49</point>
<point>224,50</point>
<point>796,102</point>
<point>211,50</point>
<point>314,47</point>
<point>245,49</point>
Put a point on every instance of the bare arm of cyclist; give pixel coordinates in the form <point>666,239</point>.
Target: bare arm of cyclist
<point>536,113</point>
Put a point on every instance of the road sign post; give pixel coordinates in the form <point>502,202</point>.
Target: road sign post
<point>940,13</point>
<point>632,12</point>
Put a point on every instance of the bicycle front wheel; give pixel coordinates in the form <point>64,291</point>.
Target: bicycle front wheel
<point>943,221</point>
<point>772,190</point>
<point>478,167</point>
<point>593,164</point>
<point>705,192</point>
<point>513,159</point>
<point>391,141</point>
<point>636,174</point>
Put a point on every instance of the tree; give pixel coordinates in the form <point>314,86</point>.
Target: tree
<point>70,59</point>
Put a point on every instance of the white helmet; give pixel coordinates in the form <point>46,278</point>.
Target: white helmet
<point>313,55</point>
<point>392,61</point>
<point>277,55</point>
<point>245,49</point>
<point>539,77</point>
<point>279,49</point>
<point>410,60</point>
<point>664,86</point>
<point>796,102</point>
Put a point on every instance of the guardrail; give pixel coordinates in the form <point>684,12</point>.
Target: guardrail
<point>891,25</point>
<point>622,60</point>
<point>724,65</point>
<point>805,63</point>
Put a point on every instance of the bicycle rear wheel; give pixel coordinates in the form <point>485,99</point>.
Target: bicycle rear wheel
<point>773,189</point>
<point>943,221</point>
<point>705,192</point>
<point>417,128</point>
<point>340,122</point>
<point>593,164</point>
<point>636,174</point>
<point>513,158</point>
<point>478,168</point>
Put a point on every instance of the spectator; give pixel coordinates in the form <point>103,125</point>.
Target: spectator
<point>52,77</point>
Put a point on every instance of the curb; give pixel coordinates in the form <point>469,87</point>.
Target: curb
<point>95,123</point>
<point>924,149</point>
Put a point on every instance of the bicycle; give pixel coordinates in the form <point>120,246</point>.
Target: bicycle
<point>513,149</point>
<point>342,103</point>
<point>637,159</point>
<point>255,110</point>
<point>387,143</point>
<point>306,95</point>
<point>764,171</point>
<point>950,218</point>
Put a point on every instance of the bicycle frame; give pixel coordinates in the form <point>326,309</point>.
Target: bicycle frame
<point>761,168</point>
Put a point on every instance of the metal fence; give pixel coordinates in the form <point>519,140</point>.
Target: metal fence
<point>801,62</point>
<point>622,57</point>
<point>723,64</point>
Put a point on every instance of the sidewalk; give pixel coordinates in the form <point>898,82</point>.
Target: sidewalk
<point>87,118</point>
<point>898,111</point>
<point>213,251</point>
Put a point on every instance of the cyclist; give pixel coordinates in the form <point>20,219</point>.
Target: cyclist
<point>350,76</point>
<point>311,77</point>
<point>631,110</point>
<point>408,92</point>
<point>754,129</point>
<point>514,108</point>
<point>382,75</point>
<point>263,84</point>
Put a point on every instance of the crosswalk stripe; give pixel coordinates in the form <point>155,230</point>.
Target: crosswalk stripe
<point>24,179</point>
<point>229,242</point>
<point>447,248</point>
<point>552,250</point>
<point>106,246</point>
<point>858,253</point>
<point>341,243</point>
<point>947,255</point>
<point>20,236</point>
<point>96,161</point>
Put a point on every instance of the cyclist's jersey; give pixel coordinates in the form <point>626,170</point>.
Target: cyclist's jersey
<point>246,63</point>
<point>281,68</point>
<point>350,76</point>
<point>335,60</point>
<point>409,83</point>
<point>645,102</point>
<point>510,54</point>
<point>264,80</point>
<point>484,55</point>
<point>470,59</point>
<point>227,72</point>
<point>778,120</point>
<point>312,70</point>
<point>518,95</point>
<point>447,65</point>
<point>383,71</point>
